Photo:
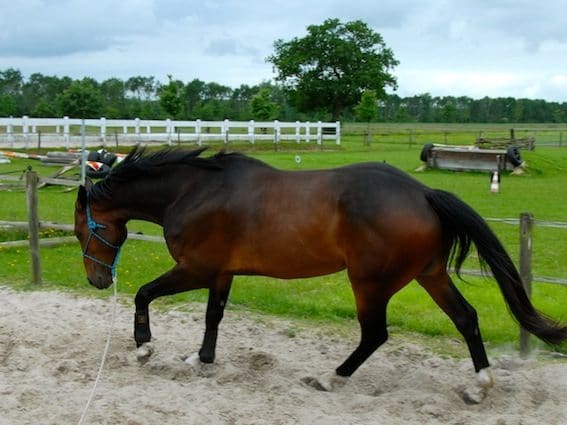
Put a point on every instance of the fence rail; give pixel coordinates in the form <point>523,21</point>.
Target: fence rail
<point>24,131</point>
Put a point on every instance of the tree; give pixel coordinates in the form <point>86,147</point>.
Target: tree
<point>171,97</point>
<point>367,109</point>
<point>263,109</point>
<point>333,65</point>
<point>81,99</point>
<point>193,96</point>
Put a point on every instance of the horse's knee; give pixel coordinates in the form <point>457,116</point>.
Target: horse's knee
<point>142,297</point>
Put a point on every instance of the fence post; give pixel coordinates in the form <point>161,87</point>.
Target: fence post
<point>10,130</point>
<point>33,224</point>
<point>168,127</point>
<point>66,131</point>
<point>103,131</point>
<point>251,131</point>
<point>526,223</point>
<point>25,130</point>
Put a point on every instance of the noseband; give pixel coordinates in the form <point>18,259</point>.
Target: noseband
<point>93,226</point>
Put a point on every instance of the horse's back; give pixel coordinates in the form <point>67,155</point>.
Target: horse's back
<point>305,223</point>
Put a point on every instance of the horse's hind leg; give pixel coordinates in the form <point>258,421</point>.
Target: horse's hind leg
<point>463,315</point>
<point>371,303</point>
<point>218,297</point>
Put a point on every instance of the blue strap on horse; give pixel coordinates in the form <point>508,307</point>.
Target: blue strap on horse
<point>93,226</point>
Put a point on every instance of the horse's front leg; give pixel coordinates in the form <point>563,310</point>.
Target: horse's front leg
<point>174,281</point>
<point>218,296</point>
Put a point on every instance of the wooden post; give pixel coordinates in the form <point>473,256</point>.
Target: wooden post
<point>526,223</point>
<point>33,223</point>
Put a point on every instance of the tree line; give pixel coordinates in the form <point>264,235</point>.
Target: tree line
<point>147,98</point>
<point>337,71</point>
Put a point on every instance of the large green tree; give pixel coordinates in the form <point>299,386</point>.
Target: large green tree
<point>333,65</point>
<point>171,97</point>
<point>82,99</point>
<point>263,108</point>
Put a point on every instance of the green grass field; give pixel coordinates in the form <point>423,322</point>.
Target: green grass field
<point>541,191</point>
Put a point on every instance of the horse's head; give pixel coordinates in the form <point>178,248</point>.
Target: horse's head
<point>101,234</point>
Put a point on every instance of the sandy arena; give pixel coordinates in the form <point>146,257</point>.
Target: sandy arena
<point>51,345</point>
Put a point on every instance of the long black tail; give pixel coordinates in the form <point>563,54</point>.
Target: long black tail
<point>465,226</point>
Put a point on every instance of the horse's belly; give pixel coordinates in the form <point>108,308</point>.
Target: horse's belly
<point>287,262</point>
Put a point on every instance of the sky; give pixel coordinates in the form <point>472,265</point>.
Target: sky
<point>474,48</point>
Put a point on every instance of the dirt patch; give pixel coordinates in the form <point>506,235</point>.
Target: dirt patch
<point>51,344</point>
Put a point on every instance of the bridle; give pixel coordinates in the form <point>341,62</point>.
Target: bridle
<point>93,226</point>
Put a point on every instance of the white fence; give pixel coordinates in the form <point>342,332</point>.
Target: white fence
<point>67,132</point>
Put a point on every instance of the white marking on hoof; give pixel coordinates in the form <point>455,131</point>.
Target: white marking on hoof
<point>327,382</point>
<point>144,352</point>
<point>194,361</point>
<point>477,393</point>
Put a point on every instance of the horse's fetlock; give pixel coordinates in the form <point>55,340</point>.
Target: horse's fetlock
<point>206,357</point>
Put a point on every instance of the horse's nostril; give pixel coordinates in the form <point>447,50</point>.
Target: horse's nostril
<point>99,282</point>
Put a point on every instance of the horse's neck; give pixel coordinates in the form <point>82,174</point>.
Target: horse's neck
<point>148,204</point>
<point>149,200</point>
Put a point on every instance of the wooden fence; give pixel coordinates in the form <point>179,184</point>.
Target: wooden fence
<point>526,222</point>
<point>67,132</point>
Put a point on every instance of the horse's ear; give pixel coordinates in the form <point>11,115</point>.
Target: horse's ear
<point>81,198</point>
<point>82,195</point>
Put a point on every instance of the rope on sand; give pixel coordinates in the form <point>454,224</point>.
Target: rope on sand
<point>104,354</point>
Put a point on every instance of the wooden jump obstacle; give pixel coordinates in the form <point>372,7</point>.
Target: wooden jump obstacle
<point>470,159</point>
<point>486,155</point>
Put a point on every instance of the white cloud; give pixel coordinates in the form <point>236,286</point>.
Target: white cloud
<point>469,47</point>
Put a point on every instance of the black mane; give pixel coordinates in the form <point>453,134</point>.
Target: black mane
<point>139,162</point>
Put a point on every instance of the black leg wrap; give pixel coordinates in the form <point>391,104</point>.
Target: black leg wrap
<point>207,351</point>
<point>142,328</point>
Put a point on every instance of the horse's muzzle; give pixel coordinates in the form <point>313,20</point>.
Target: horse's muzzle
<point>100,281</point>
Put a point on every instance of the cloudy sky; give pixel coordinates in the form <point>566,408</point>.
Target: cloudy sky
<point>473,48</point>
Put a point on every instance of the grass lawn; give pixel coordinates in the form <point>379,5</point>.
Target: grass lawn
<point>541,191</point>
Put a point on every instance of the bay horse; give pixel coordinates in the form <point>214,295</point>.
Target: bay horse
<point>229,214</point>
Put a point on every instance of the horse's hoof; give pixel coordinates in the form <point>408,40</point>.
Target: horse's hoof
<point>484,381</point>
<point>327,382</point>
<point>314,383</point>
<point>194,361</point>
<point>474,395</point>
<point>144,352</point>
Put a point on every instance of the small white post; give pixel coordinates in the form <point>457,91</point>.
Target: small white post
<point>307,131</point>
<point>10,130</point>
<point>66,136</point>
<point>198,131</point>
<point>103,131</point>
<point>297,132</point>
<point>137,129</point>
<point>251,131</point>
<point>338,132</point>
<point>277,131</point>
<point>168,129</point>
<point>25,130</point>
<point>225,128</point>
